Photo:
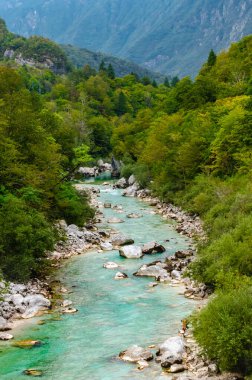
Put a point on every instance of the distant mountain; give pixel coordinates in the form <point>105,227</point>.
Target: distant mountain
<point>168,36</point>
<point>81,57</point>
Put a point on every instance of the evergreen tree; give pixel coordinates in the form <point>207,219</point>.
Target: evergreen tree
<point>154,83</point>
<point>146,80</point>
<point>211,58</point>
<point>111,72</point>
<point>121,104</point>
<point>166,82</point>
<point>102,67</point>
<point>174,81</point>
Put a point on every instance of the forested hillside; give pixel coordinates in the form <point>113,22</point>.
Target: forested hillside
<point>168,36</point>
<point>189,141</point>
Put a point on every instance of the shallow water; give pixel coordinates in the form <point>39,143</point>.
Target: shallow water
<point>112,314</point>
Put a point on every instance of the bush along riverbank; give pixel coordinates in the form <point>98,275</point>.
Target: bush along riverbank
<point>181,354</point>
<point>23,301</point>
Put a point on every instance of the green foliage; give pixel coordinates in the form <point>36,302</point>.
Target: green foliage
<point>72,206</point>
<point>211,58</point>
<point>224,329</point>
<point>25,235</point>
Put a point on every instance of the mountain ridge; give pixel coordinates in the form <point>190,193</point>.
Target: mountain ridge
<point>165,35</point>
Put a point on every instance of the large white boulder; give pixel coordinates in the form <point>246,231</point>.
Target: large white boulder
<point>135,354</point>
<point>131,252</point>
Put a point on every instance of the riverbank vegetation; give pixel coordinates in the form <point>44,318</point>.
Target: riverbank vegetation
<point>189,141</point>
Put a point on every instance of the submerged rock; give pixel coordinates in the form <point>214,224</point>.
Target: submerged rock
<point>135,354</point>
<point>110,265</point>
<point>107,205</point>
<point>33,372</point>
<point>27,343</point>
<point>152,247</point>
<point>131,252</point>
<point>115,220</point>
<point>134,216</point>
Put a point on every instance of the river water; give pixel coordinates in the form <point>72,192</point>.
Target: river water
<point>112,315</point>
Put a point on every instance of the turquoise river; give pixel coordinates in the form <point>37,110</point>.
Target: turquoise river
<point>112,315</point>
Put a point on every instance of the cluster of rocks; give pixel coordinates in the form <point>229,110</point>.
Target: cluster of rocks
<point>19,301</point>
<point>94,171</point>
<point>178,355</point>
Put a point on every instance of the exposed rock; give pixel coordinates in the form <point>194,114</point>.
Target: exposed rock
<point>69,310</point>
<point>4,326</point>
<point>153,247</point>
<point>88,172</point>
<point>106,246</point>
<point>107,205</point>
<point>176,275</point>
<point>153,284</point>
<point>142,364</point>
<point>131,252</point>
<point>171,351</point>
<point>183,254</point>
<point>121,183</point>
<point>37,300</point>
<point>120,276</point>
<point>131,180</point>
<point>176,368</point>
<point>5,336</point>
<point>121,240</point>
<point>131,191</point>
<point>155,270</point>
<point>110,265</point>
<point>115,220</point>
<point>134,216</point>
<point>67,303</point>
<point>31,312</point>
<point>135,354</point>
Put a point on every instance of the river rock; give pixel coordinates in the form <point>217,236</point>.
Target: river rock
<point>31,312</point>
<point>171,351</point>
<point>142,364</point>
<point>152,247</point>
<point>69,310</point>
<point>33,372</point>
<point>67,303</point>
<point>131,180</point>
<point>5,336</point>
<point>110,265</point>
<point>107,205</point>
<point>135,354</point>
<point>120,276</point>
<point>121,240</point>
<point>121,183</point>
<point>176,275</point>
<point>176,368</point>
<point>134,216</point>
<point>115,220</point>
<point>106,246</point>
<point>27,343</point>
<point>37,300</point>
<point>88,172</point>
<point>131,191</point>
<point>131,252</point>
<point>4,326</point>
<point>155,270</point>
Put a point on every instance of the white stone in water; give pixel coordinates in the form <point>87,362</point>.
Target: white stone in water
<point>115,220</point>
<point>110,265</point>
<point>176,275</point>
<point>106,246</point>
<point>5,336</point>
<point>131,252</point>
<point>67,303</point>
<point>135,353</point>
<point>69,311</point>
<point>120,276</point>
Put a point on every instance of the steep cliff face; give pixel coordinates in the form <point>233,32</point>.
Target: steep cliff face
<point>165,35</point>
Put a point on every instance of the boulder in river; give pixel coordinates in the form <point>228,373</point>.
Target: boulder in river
<point>4,326</point>
<point>106,246</point>
<point>171,351</point>
<point>5,336</point>
<point>115,220</point>
<point>134,215</point>
<point>155,270</point>
<point>33,372</point>
<point>135,354</point>
<point>131,252</point>
<point>27,343</point>
<point>131,191</point>
<point>121,240</point>
<point>152,247</point>
<point>120,276</point>
<point>110,265</point>
<point>121,183</point>
<point>107,205</point>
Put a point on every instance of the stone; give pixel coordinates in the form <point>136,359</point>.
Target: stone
<point>153,284</point>
<point>33,372</point>
<point>121,183</point>
<point>4,326</point>
<point>31,312</point>
<point>142,364</point>
<point>176,275</point>
<point>171,351</point>
<point>134,216</point>
<point>152,247</point>
<point>67,303</point>
<point>106,246</point>
<point>69,310</point>
<point>121,240</point>
<point>155,270</point>
<point>27,343</point>
<point>110,265</point>
<point>115,220</point>
<point>5,336</point>
<point>131,191</point>
<point>36,300</point>
<point>131,252</point>
<point>131,180</point>
<point>120,276</point>
<point>107,205</point>
<point>176,368</point>
<point>135,354</point>
<point>17,300</point>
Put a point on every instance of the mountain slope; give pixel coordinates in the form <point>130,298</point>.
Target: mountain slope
<point>164,35</point>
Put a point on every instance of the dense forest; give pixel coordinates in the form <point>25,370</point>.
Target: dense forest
<point>189,141</point>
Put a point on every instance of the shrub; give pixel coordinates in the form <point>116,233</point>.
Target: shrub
<point>72,205</point>
<point>224,329</point>
<point>25,236</point>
